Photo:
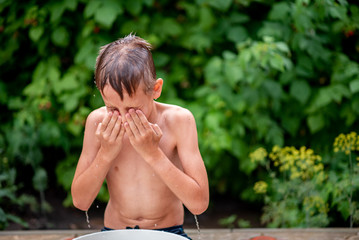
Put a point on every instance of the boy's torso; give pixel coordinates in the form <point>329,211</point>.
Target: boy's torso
<point>137,195</point>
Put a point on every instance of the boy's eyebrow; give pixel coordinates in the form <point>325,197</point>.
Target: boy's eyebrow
<point>111,107</point>
<point>128,108</point>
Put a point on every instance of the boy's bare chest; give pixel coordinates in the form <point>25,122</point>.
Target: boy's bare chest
<point>129,161</point>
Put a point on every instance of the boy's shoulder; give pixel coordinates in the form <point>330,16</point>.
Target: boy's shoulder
<point>97,115</point>
<point>175,114</point>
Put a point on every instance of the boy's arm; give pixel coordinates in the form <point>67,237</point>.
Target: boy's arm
<point>189,185</point>
<point>102,143</point>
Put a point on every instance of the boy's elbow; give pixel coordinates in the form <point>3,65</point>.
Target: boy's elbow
<point>200,207</point>
<point>78,202</point>
<point>80,205</point>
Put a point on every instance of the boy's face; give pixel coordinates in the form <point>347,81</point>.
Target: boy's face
<point>138,101</point>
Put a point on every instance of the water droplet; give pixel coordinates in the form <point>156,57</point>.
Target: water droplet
<point>197,224</point>
<point>87,219</point>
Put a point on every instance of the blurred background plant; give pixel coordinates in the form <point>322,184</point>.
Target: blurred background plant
<point>293,191</point>
<point>299,191</point>
<point>345,179</point>
<point>253,72</point>
<point>233,221</point>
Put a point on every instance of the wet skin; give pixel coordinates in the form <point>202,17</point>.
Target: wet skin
<point>148,153</point>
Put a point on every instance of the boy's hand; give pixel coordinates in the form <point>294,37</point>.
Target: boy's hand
<point>144,136</point>
<point>110,132</point>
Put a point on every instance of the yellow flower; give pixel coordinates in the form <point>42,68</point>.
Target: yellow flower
<point>260,187</point>
<point>298,163</point>
<point>346,143</point>
<point>259,155</point>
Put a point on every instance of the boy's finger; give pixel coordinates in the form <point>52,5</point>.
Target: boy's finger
<point>131,125</point>
<point>136,120</point>
<point>157,129</point>
<point>121,133</point>
<point>128,130</point>
<point>116,129</point>
<point>98,130</point>
<point>143,120</point>
<point>105,121</point>
<point>112,123</point>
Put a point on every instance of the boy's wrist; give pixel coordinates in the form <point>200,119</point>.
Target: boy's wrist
<point>154,157</point>
<point>105,156</point>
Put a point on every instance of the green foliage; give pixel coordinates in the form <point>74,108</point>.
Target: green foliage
<point>293,191</point>
<point>10,197</point>
<point>233,221</point>
<point>253,72</point>
<point>345,180</point>
<point>299,191</point>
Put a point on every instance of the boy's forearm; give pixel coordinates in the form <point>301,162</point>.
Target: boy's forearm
<point>86,186</point>
<point>192,194</point>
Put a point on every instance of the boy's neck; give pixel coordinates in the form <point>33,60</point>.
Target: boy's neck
<point>153,117</point>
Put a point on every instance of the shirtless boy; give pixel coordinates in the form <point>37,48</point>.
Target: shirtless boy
<point>147,151</point>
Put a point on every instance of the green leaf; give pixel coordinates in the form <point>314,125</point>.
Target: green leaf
<point>39,180</point>
<point>35,33</point>
<point>221,5</point>
<point>71,4</point>
<point>134,6</point>
<point>232,72</point>
<point>275,136</point>
<point>213,70</point>
<point>91,8</point>
<point>87,54</point>
<point>3,93</point>
<point>291,124</point>
<point>338,91</point>
<point>56,10</point>
<point>107,13</point>
<point>228,221</point>
<point>3,218</point>
<point>300,90</point>
<point>54,74</point>
<point>280,11</point>
<point>171,27</point>
<point>68,82</point>
<point>273,88</point>
<point>236,17</point>
<point>344,209</point>
<point>337,11</point>
<point>237,34</point>
<point>160,59</point>
<point>17,220</point>
<point>206,19</point>
<point>322,98</point>
<point>239,147</point>
<point>60,37</point>
<point>316,123</point>
<point>354,86</point>
<point>36,88</point>
<point>277,62</point>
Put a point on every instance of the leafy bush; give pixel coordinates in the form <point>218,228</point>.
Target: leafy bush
<point>253,72</point>
<point>299,191</point>
<point>294,196</point>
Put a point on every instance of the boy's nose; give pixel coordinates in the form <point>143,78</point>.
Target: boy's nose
<point>123,116</point>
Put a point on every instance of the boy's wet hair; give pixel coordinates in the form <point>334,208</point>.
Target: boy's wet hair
<point>124,64</point>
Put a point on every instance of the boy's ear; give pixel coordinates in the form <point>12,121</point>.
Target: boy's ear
<point>157,89</point>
